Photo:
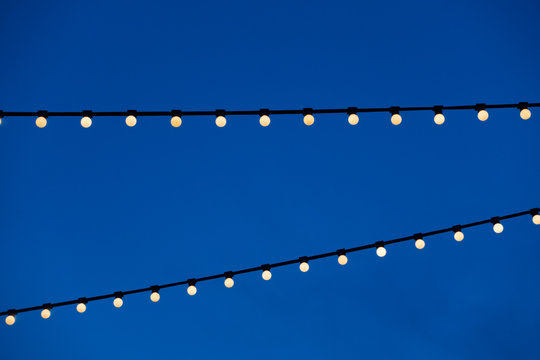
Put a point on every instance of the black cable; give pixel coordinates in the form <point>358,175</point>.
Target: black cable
<point>190,281</point>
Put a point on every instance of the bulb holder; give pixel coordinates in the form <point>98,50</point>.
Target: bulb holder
<point>192,282</point>
<point>303,259</point>
<point>437,109</point>
<point>82,300</point>
<point>131,112</point>
<point>47,306</point>
<point>495,220</point>
<point>341,252</point>
<point>154,288</point>
<point>12,312</point>
<point>307,111</point>
<point>419,236</point>
<point>523,105</point>
<point>119,294</point>
<point>220,112</point>
<point>1,114</point>
<point>43,113</point>
<point>456,228</point>
<point>176,113</point>
<point>480,107</point>
<point>265,267</point>
<point>352,110</point>
<point>535,211</point>
<point>87,113</point>
<point>379,244</point>
<point>263,112</point>
<point>228,274</point>
<point>394,110</point>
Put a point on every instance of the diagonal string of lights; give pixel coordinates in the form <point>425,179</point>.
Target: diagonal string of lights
<point>264,114</point>
<point>341,254</point>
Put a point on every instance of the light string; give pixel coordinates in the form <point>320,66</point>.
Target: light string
<point>131,116</point>
<point>380,246</point>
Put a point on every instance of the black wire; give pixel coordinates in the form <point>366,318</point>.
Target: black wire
<point>269,266</point>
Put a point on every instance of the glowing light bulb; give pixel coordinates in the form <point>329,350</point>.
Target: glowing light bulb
<point>483,115</point>
<point>131,120</point>
<point>342,259</point>
<point>396,119</point>
<point>176,121</point>
<point>498,228</point>
<point>229,282</point>
<point>439,119</point>
<point>154,296</point>
<point>221,121</point>
<point>191,290</point>
<point>118,302</point>
<point>266,275</point>
<point>304,266</point>
<point>420,244</point>
<point>536,219</point>
<point>525,114</point>
<point>10,319</point>
<point>264,120</point>
<point>381,251</point>
<point>0,121</point>
<point>46,313</point>
<point>41,122</point>
<point>309,119</point>
<point>86,122</point>
<point>458,236</point>
<point>353,119</point>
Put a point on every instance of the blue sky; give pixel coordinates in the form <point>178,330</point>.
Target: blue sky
<point>91,211</point>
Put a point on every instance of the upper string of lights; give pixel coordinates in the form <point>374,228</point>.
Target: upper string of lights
<point>176,116</point>
<point>380,246</point>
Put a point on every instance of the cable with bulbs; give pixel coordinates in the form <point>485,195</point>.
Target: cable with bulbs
<point>264,119</point>
<point>419,242</point>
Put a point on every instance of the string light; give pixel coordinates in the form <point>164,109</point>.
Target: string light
<point>419,242</point>
<point>266,274</point>
<point>191,290</point>
<point>458,235</point>
<point>81,306</point>
<point>396,118</point>
<point>342,258</point>
<point>229,282</point>
<point>353,116</point>
<point>220,118</point>
<point>46,312</point>
<point>381,251</point>
<point>176,119</point>
<point>154,296</point>
<point>482,112</point>
<point>86,120</point>
<point>497,226</point>
<point>264,120</point>
<point>118,302</point>
<point>535,216</point>
<point>1,117</point>
<point>439,117</point>
<point>41,120</point>
<point>309,119</point>
<point>304,266</point>
<point>131,118</point>
<point>10,319</point>
<point>524,112</point>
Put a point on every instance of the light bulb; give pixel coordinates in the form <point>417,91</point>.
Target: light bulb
<point>483,115</point>
<point>342,259</point>
<point>266,275</point>
<point>309,119</point>
<point>304,266</point>
<point>118,302</point>
<point>439,119</point>
<point>264,120</point>
<point>458,236</point>
<point>154,296</point>
<point>396,119</point>
<point>420,244</point>
<point>381,251</point>
<point>191,290</point>
<point>10,319</point>
<point>131,120</point>
<point>536,219</point>
<point>498,228</point>
<point>45,313</point>
<point>229,282</point>
<point>0,121</point>
<point>81,307</point>
<point>221,121</point>
<point>353,119</point>
<point>41,122</point>
<point>176,121</point>
<point>86,122</point>
<point>525,114</point>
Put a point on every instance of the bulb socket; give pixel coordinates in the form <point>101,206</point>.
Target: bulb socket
<point>303,259</point>
<point>265,267</point>
<point>456,228</point>
<point>480,107</point>
<point>263,112</point>
<point>154,288</point>
<point>535,211</point>
<point>495,220</point>
<point>394,110</point>
<point>341,252</point>
<point>220,112</point>
<point>523,105</point>
<point>379,244</point>
<point>228,274</point>
<point>176,113</point>
<point>1,114</point>
<point>192,282</point>
<point>47,306</point>
<point>418,236</point>
<point>437,109</point>
<point>119,294</point>
<point>83,300</point>
<point>307,111</point>
<point>352,110</point>
<point>43,113</point>
<point>87,113</point>
<point>131,112</point>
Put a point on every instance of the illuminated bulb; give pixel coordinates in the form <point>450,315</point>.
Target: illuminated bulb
<point>266,275</point>
<point>229,282</point>
<point>353,119</point>
<point>483,115</point>
<point>396,119</point>
<point>154,296</point>
<point>86,122</point>
<point>420,244</point>
<point>536,219</point>
<point>458,236</point>
<point>309,119</point>
<point>131,120</point>
<point>221,121</point>
<point>41,122</point>
<point>304,266</point>
<point>381,251</point>
<point>176,121</point>
<point>498,228</point>
<point>264,120</point>
<point>81,307</point>
<point>0,121</point>
<point>342,259</point>
<point>118,302</point>
<point>45,313</point>
<point>525,114</point>
<point>10,319</point>
<point>439,119</point>
<point>191,290</point>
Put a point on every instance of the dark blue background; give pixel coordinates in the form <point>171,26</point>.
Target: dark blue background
<point>91,211</point>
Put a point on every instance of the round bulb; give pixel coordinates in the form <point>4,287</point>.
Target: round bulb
<point>264,120</point>
<point>536,219</point>
<point>45,313</point>
<point>0,121</point>
<point>154,296</point>
<point>353,119</point>
<point>342,259</point>
<point>304,266</point>
<point>266,275</point>
<point>131,120</point>
<point>10,319</point>
<point>176,121</point>
<point>458,236</point>
<point>439,119</point>
<point>483,115</point>
<point>420,244</point>
<point>41,122</point>
<point>86,122</point>
<point>498,228</point>
<point>229,282</point>
<point>309,119</point>
<point>221,121</point>
<point>81,307</point>
<point>381,251</point>
<point>191,290</point>
<point>396,119</point>
<point>118,302</point>
<point>525,114</point>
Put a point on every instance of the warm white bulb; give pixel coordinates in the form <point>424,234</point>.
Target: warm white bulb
<point>191,290</point>
<point>264,120</point>
<point>154,296</point>
<point>483,115</point>
<point>353,119</point>
<point>81,307</point>
<point>536,219</point>
<point>118,302</point>
<point>439,119</point>
<point>525,114</point>
<point>498,228</point>
<point>420,244</point>
<point>309,119</point>
<point>176,121</point>
<point>304,266</point>
<point>86,122</point>
<point>381,251</point>
<point>0,121</point>
<point>229,282</point>
<point>221,121</point>
<point>396,119</point>
<point>131,120</point>
<point>342,259</point>
<point>458,236</point>
<point>10,319</point>
<point>41,122</point>
<point>45,313</point>
<point>266,275</point>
